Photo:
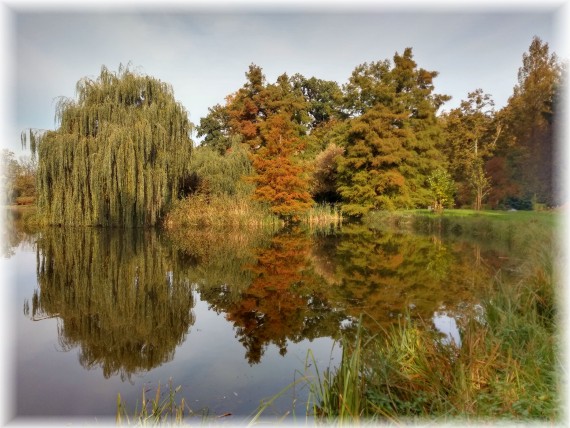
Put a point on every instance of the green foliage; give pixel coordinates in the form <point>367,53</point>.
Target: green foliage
<point>156,411</point>
<point>370,171</point>
<point>471,133</point>
<point>220,174</point>
<point>324,99</point>
<point>442,187</point>
<point>118,157</point>
<point>215,128</point>
<point>393,140</point>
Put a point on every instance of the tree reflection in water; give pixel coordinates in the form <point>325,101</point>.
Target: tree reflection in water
<point>120,296</point>
<point>125,297</point>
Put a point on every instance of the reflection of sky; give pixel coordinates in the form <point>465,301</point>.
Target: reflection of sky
<point>448,326</point>
<point>204,55</point>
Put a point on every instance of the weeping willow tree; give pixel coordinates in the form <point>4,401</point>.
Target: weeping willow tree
<point>119,156</point>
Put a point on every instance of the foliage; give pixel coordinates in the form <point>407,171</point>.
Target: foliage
<point>324,177</point>
<point>370,170</point>
<point>471,133</point>
<point>324,99</point>
<point>156,411</point>
<point>219,211</point>
<point>119,154</point>
<point>279,178</point>
<point>393,139</point>
<point>18,179</point>
<point>215,128</point>
<point>527,145</point>
<point>442,186</point>
<point>218,174</point>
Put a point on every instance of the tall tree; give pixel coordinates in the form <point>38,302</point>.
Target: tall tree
<point>272,120</point>
<point>530,117</point>
<point>471,133</point>
<point>371,172</point>
<point>279,178</point>
<point>394,137</point>
<point>119,154</point>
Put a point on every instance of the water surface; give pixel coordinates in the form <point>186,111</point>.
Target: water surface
<point>228,316</point>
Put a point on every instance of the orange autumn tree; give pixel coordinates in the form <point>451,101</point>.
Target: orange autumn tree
<point>272,120</point>
<point>279,178</point>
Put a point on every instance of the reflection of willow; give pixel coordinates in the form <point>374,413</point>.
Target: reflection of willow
<point>120,296</point>
<point>383,273</point>
<point>286,299</point>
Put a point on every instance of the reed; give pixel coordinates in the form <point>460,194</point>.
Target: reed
<point>220,211</point>
<point>323,217</point>
<point>163,409</point>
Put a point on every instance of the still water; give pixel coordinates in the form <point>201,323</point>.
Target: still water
<point>228,316</point>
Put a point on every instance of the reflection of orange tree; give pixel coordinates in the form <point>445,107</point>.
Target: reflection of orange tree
<point>383,273</point>
<point>121,297</point>
<point>285,301</point>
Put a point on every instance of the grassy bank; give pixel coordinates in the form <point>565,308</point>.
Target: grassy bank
<point>463,222</point>
<point>507,367</point>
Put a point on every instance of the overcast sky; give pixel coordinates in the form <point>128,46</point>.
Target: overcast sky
<point>204,53</point>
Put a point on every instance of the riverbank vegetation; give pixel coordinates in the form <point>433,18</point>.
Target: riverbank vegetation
<point>507,365</point>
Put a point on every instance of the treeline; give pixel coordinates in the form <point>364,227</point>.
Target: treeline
<point>378,142</point>
<point>18,179</point>
<point>123,153</point>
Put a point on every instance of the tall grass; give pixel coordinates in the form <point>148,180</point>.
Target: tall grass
<point>323,218</point>
<point>220,211</point>
<point>160,410</point>
<point>507,366</point>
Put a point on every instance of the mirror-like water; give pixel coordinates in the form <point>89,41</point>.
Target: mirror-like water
<point>228,316</point>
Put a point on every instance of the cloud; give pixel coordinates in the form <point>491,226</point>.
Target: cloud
<point>204,54</point>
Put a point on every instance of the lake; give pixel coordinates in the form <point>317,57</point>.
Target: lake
<point>230,317</point>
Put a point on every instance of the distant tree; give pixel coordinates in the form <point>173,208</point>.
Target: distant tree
<point>18,178</point>
<point>324,99</point>
<point>118,157</point>
<point>9,168</point>
<point>442,187</point>
<point>471,133</point>
<point>215,128</point>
